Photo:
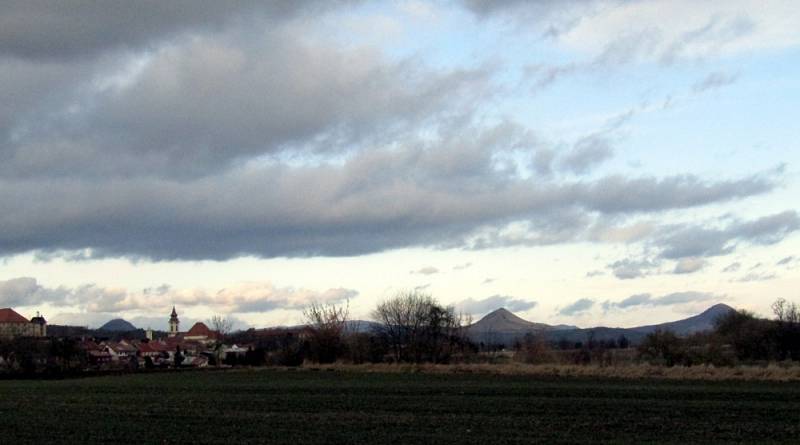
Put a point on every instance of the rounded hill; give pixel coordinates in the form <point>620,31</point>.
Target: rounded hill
<point>118,325</point>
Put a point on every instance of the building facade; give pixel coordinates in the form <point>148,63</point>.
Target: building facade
<point>12,324</point>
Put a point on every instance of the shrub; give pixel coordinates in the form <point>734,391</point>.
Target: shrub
<point>532,349</point>
<point>662,348</point>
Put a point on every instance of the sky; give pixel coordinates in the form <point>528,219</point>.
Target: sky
<point>584,162</point>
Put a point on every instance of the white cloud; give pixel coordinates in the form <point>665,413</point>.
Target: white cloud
<point>488,304</point>
<point>427,270</point>
<point>577,307</point>
<point>676,298</point>
<point>690,265</point>
<point>669,30</point>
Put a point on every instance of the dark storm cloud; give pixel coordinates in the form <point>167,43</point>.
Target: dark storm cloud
<point>30,90</point>
<point>208,103</point>
<point>211,143</point>
<point>488,304</point>
<point>208,99</point>
<point>46,29</point>
<point>376,201</point>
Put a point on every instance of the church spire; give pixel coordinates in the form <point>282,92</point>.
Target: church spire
<point>173,323</point>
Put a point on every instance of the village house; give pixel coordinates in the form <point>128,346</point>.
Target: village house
<point>12,324</point>
<point>96,355</point>
<point>197,346</point>
<point>120,351</point>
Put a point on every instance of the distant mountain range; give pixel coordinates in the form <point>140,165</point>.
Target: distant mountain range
<point>703,321</point>
<point>117,325</point>
<point>497,327</point>
<point>503,327</point>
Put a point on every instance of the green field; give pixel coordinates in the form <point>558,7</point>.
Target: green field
<point>296,407</point>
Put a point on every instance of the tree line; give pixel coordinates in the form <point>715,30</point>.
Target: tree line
<point>738,337</point>
<point>413,327</point>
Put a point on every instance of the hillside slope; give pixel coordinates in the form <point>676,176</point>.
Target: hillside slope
<point>503,327</point>
<point>117,325</point>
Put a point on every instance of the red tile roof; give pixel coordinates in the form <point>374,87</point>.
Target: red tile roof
<point>90,345</point>
<point>8,315</point>
<point>199,330</point>
<point>146,348</point>
<point>158,346</point>
<point>172,341</point>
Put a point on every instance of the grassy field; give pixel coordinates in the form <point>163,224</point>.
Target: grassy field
<point>297,407</point>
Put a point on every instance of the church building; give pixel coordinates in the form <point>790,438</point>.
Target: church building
<point>199,331</point>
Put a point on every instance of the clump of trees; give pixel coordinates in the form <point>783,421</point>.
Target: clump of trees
<point>533,349</point>
<point>41,356</point>
<point>419,329</point>
<point>758,339</point>
<point>411,327</point>
<point>327,325</point>
<point>737,337</point>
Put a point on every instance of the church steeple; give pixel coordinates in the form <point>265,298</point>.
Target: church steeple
<point>173,323</point>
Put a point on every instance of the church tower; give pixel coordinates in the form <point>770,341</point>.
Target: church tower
<point>173,323</point>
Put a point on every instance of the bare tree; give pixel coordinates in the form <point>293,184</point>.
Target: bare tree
<point>327,326</point>
<point>222,326</point>
<point>401,317</point>
<point>418,328</point>
<point>785,311</point>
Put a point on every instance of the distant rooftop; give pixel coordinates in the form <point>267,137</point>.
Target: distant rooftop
<point>8,315</point>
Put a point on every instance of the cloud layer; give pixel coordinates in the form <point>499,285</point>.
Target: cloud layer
<point>181,133</point>
<point>242,298</point>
